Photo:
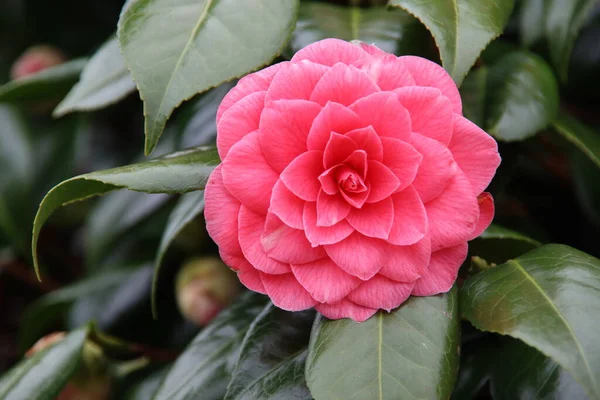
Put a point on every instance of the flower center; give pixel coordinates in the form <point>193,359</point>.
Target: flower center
<point>350,182</point>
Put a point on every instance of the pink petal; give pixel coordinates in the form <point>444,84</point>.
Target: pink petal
<point>330,52</point>
<point>357,161</point>
<point>385,114</point>
<point>410,218</point>
<point>373,50</point>
<point>381,292</point>
<point>475,152</point>
<point>246,273</point>
<point>239,120</point>
<point>436,169</point>
<point>453,215</point>
<point>356,200</point>
<point>333,118</point>
<point>369,141</point>
<point>321,235</point>
<point>295,81</point>
<point>256,82</point>
<point>373,219</point>
<point>402,159</point>
<point>383,182</point>
<point>287,206</point>
<point>302,175</point>
<point>338,149</point>
<point>331,209</point>
<point>407,263</point>
<point>220,212</point>
<point>251,225</point>
<point>324,280</point>
<point>442,271</point>
<point>343,84</point>
<point>430,112</point>
<point>388,72</point>
<point>486,214</point>
<point>328,180</point>
<point>284,127</point>
<point>428,73</point>
<point>286,293</point>
<point>288,245</point>
<point>247,175</point>
<point>358,255</point>
<point>346,309</point>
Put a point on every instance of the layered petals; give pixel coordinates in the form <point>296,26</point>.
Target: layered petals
<point>383,182</point>
<point>368,140</point>
<point>385,114</point>
<point>331,209</point>
<point>333,117</point>
<point>346,309</point>
<point>316,278</point>
<point>486,214</point>
<point>373,219</point>
<point>295,81</point>
<point>410,218</point>
<point>330,52</point>
<point>407,263</point>
<point>322,235</point>
<point>343,84</point>
<point>247,274</point>
<point>287,206</point>
<point>286,293</point>
<point>287,245</point>
<point>302,175</point>
<point>338,149</point>
<point>241,119</point>
<point>442,271</point>
<point>381,292</point>
<point>402,159</point>
<point>358,255</point>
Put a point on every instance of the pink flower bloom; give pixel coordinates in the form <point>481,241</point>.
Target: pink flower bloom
<point>350,180</point>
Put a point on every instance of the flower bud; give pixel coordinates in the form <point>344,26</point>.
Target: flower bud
<point>36,59</point>
<point>204,287</point>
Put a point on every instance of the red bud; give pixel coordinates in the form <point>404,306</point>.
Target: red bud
<point>36,59</point>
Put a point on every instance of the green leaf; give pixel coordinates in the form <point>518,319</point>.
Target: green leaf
<point>188,207</point>
<point>176,49</point>
<point>204,368</point>
<point>581,136</point>
<point>179,172</point>
<point>145,388</point>
<point>522,97</point>
<point>272,356</point>
<point>410,353</point>
<point>549,298</point>
<point>532,17</point>
<point>564,20</point>
<point>105,80</point>
<point>461,28</point>
<point>43,375</point>
<point>49,84</point>
<point>498,244</point>
<point>392,30</point>
<point>522,372</point>
<point>473,93</point>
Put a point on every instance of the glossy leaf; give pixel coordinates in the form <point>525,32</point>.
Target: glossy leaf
<point>189,206</point>
<point>581,136</point>
<point>410,353</point>
<point>145,388</point>
<point>461,28</point>
<point>43,375</point>
<point>271,360</point>
<point>473,93</point>
<point>532,17</point>
<point>49,84</point>
<point>204,368</point>
<point>522,97</point>
<point>549,298</point>
<point>498,244</point>
<point>179,172</point>
<point>392,30</point>
<point>105,80</point>
<point>176,49</point>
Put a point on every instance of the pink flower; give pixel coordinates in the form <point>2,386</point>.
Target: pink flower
<point>350,180</point>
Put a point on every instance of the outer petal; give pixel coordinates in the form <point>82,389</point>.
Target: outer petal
<point>358,255</point>
<point>331,209</point>
<point>385,114</point>
<point>286,292</point>
<point>388,72</point>
<point>453,215</point>
<point>436,169</point>
<point>220,212</point>
<point>343,84</point>
<point>407,263</point>
<point>442,271</point>
<point>239,120</point>
<point>250,228</point>
<point>346,309</point>
<point>302,175</point>
<point>287,206</point>
<point>246,273</point>
<point>247,175</point>
<point>402,159</point>
<point>428,73</point>
<point>321,235</point>
<point>475,152</point>
<point>338,148</point>
<point>374,219</point>
<point>430,112</point>
<point>383,182</point>
<point>381,292</point>
<point>333,118</point>
<point>325,281</point>
<point>330,52</point>
<point>486,214</point>
<point>284,127</point>
<point>256,82</point>
<point>410,218</point>
<point>368,140</point>
<point>288,245</point>
<point>295,81</point>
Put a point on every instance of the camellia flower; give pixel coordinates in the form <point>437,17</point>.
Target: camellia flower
<point>350,180</point>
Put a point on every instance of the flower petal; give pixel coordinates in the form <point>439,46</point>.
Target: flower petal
<point>383,182</point>
<point>387,71</point>
<point>343,84</point>
<point>486,214</point>
<point>346,309</point>
<point>284,127</point>
<point>287,245</point>
<point>338,148</point>
<point>442,271</point>
<point>287,206</point>
<point>358,255</point>
<point>295,81</point>
<point>381,292</point>
<point>369,141</point>
<point>333,117</point>
<point>286,293</point>
<point>321,235</point>
<point>402,159</point>
<point>251,225</point>
<point>325,281</point>
<point>330,52</point>
<point>239,120</point>
<point>302,175</point>
<point>407,263</point>
<point>331,209</point>
<point>246,273</point>
<point>410,218</point>
<point>475,152</point>
<point>385,114</point>
<point>247,175</point>
<point>373,219</point>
